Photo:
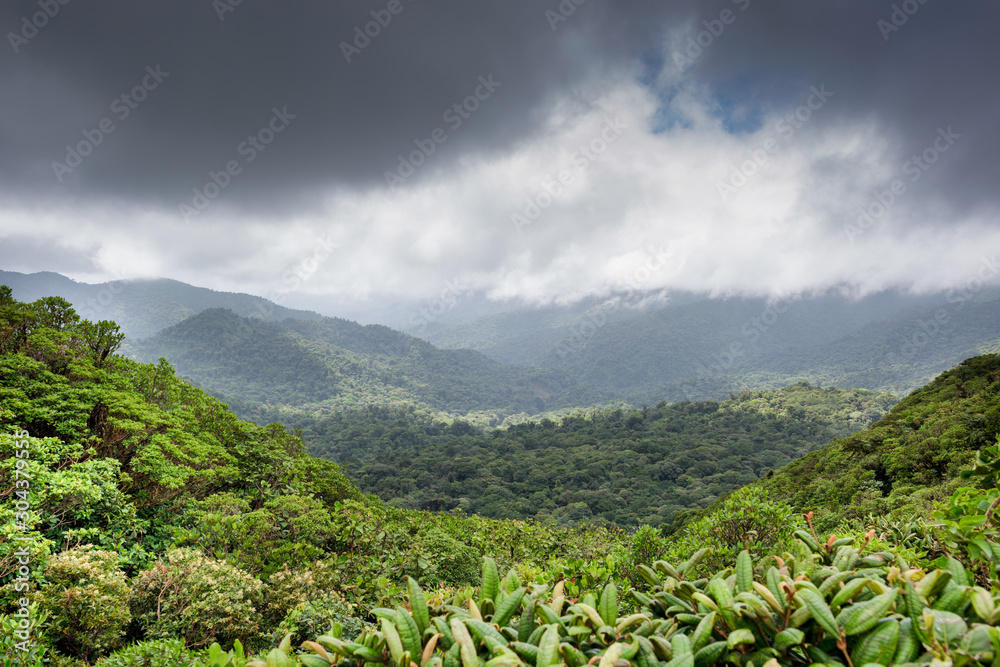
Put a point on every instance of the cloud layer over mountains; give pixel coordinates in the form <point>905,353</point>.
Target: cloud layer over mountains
<point>538,151</point>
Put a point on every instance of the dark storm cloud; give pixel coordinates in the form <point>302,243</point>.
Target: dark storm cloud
<point>180,94</point>
<point>224,76</point>
<point>228,66</point>
<point>912,67</point>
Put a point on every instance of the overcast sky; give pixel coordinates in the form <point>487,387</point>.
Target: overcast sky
<point>722,146</point>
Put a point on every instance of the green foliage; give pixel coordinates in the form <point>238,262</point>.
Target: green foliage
<point>912,538</point>
<point>23,641</point>
<point>646,545</point>
<point>288,530</point>
<point>86,601</point>
<point>128,458</point>
<point>312,618</point>
<point>967,525</point>
<point>198,599</point>
<point>436,556</point>
<point>859,608</point>
<point>746,520</point>
<point>152,653</point>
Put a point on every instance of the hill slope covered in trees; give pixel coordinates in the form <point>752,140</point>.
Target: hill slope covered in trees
<point>141,308</point>
<point>143,509</point>
<point>330,362</point>
<point>149,522</point>
<point>694,348</point>
<point>910,458</point>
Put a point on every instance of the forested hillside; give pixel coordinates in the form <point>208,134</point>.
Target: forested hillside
<point>621,467</point>
<point>143,509</point>
<point>909,459</point>
<point>143,307</point>
<point>682,347</point>
<point>708,349</point>
<point>150,526</point>
<point>308,366</point>
<point>695,348</point>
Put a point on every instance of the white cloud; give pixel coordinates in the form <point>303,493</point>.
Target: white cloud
<point>638,193</point>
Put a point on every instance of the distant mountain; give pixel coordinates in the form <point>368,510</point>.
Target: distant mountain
<point>312,365</point>
<point>696,348</point>
<point>686,347</point>
<point>142,307</point>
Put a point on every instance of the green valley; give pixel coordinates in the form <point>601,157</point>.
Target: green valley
<point>146,524</point>
<point>622,467</point>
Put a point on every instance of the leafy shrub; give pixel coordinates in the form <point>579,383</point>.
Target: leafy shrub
<point>86,600</point>
<point>910,538</point>
<point>313,618</point>
<point>747,519</point>
<point>645,546</point>
<point>967,525</point>
<point>289,530</point>
<point>154,653</point>
<point>288,588</point>
<point>830,604</point>
<point>198,599</point>
<point>438,557</point>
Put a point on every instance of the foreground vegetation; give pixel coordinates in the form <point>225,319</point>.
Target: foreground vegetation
<point>126,459</point>
<point>144,524</point>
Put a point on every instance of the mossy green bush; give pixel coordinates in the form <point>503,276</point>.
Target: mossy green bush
<point>310,619</point>
<point>288,588</point>
<point>86,599</point>
<point>747,519</point>
<point>152,653</point>
<point>198,599</point>
<point>439,558</point>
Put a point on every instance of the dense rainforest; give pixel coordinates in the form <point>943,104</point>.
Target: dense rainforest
<point>622,467</point>
<point>144,523</point>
